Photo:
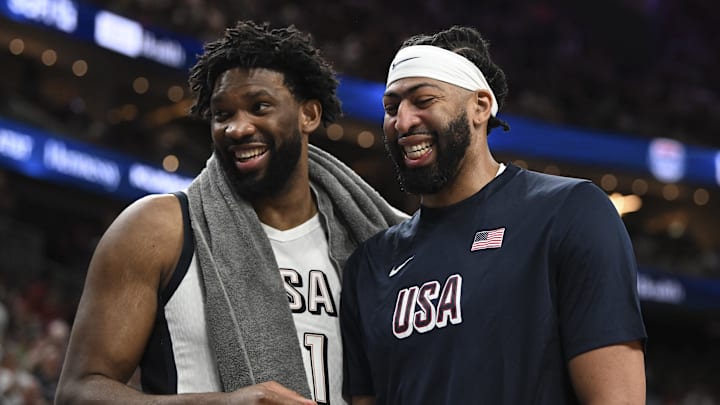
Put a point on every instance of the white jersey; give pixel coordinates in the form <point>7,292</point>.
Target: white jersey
<point>178,358</point>
<point>313,288</point>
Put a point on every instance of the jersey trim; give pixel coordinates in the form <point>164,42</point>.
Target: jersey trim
<point>159,371</point>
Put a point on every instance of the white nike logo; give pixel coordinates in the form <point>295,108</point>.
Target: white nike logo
<point>394,65</point>
<point>396,269</point>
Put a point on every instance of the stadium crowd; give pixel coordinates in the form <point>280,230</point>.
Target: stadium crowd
<point>634,66</point>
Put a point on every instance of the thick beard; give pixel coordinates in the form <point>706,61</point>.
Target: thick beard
<point>450,146</point>
<point>273,180</point>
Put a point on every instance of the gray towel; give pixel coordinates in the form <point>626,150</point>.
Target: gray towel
<point>250,326</point>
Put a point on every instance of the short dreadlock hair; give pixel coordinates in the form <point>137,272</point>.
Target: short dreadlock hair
<point>468,42</point>
<point>285,50</point>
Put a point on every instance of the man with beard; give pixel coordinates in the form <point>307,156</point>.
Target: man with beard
<point>228,292</point>
<point>507,286</point>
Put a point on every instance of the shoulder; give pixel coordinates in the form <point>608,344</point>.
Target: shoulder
<point>544,185</point>
<point>155,214</point>
<point>386,242</point>
<point>551,190</point>
<point>149,231</point>
<point>390,237</point>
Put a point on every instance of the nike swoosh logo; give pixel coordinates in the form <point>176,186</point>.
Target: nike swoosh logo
<point>403,60</point>
<point>396,269</point>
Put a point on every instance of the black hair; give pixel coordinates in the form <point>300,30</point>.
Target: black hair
<point>468,42</point>
<point>285,50</point>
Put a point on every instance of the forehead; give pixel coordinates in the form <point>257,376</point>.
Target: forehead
<point>409,85</point>
<point>256,79</point>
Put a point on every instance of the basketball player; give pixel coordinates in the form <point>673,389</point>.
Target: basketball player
<point>507,286</point>
<point>228,292</point>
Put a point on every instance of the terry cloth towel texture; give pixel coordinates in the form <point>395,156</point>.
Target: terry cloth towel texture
<point>250,326</point>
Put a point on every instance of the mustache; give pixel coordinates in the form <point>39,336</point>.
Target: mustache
<point>418,132</point>
<point>228,142</point>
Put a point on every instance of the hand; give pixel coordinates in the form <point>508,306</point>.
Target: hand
<point>269,393</point>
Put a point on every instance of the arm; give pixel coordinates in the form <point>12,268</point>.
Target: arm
<point>610,375</point>
<point>601,321</point>
<point>363,401</point>
<point>115,317</point>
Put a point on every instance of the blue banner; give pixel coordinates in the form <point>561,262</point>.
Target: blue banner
<point>664,159</point>
<point>43,156</point>
<point>693,293</point>
<point>106,29</point>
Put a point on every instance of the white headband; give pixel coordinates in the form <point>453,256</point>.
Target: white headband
<point>437,63</point>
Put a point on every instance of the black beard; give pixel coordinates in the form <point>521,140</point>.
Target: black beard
<point>450,145</point>
<point>273,180</point>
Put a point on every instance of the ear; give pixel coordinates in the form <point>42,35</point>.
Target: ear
<point>310,116</point>
<point>480,107</point>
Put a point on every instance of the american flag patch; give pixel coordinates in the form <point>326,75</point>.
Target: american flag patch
<point>488,239</point>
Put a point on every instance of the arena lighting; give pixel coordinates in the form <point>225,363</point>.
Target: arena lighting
<point>16,46</point>
<point>170,163</point>
<point>362,99</point>
<point>639,186</point>
<point>671,192</point>
<point>105,29</point>
<point>48,57</point>
<point>608,182</point>
<point>625,204</point>
<point>141,85</point>
<point>624,153</point>
<point>335,132</point>
<point>57,14</point>
<point>660,289</point>
<point>175,93</point>
<point>678,290</point>
<point>366,139</point>
<point>666,159</point>
<point>79,68</point>
<point>37,154</point>
<point>701,196</point>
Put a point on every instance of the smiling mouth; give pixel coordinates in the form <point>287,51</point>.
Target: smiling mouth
<point>248,154</point>
<point>417,151</point>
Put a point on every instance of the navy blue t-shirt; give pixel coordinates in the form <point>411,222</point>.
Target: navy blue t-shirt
<point>486,301</point>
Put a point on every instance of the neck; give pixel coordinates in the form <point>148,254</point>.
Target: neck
<point>287,210</point>
<point>472,176</point>
<point>293,205</point>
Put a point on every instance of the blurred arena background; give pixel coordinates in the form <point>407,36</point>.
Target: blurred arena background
<point>93,114</point>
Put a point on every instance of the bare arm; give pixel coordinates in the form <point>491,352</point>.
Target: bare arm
<point>363,400</point>
<point>117,310</point>
<point>610,375</point>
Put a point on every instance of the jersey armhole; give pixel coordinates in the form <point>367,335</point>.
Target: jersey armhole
<point>186,254</point>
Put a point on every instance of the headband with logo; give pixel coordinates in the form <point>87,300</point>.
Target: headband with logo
<point>440,64</point>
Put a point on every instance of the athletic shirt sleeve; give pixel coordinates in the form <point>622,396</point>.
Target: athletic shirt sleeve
<point>597,297</point>
<point>357,377</point>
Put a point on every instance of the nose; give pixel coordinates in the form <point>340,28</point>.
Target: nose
<point>239,128</point>
<point>406,118</point>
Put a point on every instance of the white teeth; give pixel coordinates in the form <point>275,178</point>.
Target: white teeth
<point>249,153</point>
<point>416,151</point>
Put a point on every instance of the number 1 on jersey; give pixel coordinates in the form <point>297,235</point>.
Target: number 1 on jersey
<point>317,345</point>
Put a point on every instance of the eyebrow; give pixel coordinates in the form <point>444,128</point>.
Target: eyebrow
<point>220,97</point>
<point>411,89</point>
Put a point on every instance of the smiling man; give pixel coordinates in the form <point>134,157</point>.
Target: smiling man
<point>228,292</point>
<point>507,286</point>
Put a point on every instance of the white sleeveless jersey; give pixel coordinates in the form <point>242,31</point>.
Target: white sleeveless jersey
<point>178,358</point>
<point>313,288</point>
<point>194,360</point>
